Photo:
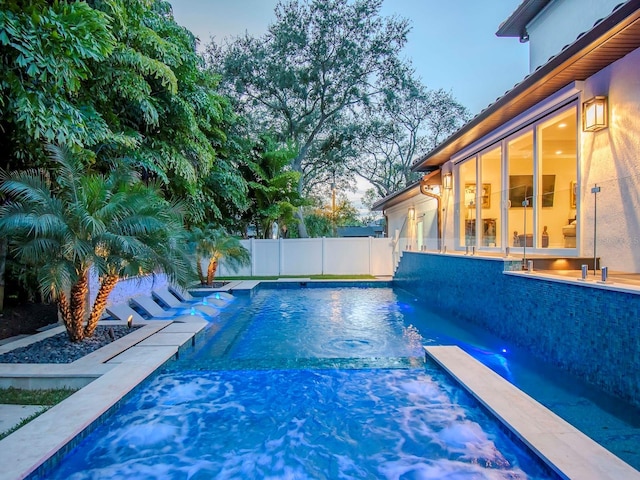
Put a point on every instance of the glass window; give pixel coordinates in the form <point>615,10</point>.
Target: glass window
<point>467,201</point>
<point>490,197</point>
<point>521,190</point>
<point>557,160</point>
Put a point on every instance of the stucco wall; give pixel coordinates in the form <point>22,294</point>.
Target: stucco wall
<point>588,331</point>
<point>560,23</point>
<point>425,214</point>
<point>610,159</point>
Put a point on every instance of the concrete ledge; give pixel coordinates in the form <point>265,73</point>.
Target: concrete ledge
<point>29,339</point>
<point>564,448</point>
<point>590,282</point>
<point>109,351</point>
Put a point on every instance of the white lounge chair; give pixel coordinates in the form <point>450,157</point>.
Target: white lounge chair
<point>147,304</point>
<point>169,299</point>
<point>216,298</point>
<point>123,312</point>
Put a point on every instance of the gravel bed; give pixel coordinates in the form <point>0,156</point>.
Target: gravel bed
<point>58,349</point>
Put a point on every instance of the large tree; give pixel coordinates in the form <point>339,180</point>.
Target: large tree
<point>408,121</point>
<point>66,221</point>
<point>318,61</point>
<point>154,90</point>
<point>120,79</point>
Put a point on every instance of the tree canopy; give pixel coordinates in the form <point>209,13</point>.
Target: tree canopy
<point>329,78</point>
<point>320,61</point>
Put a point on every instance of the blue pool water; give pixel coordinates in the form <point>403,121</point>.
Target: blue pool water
<point>314,383</point>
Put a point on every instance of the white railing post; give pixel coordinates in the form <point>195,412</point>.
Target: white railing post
<point>370,255</point>
<point>281,259</point>
<point>252,250</point>
<point>324,254</point>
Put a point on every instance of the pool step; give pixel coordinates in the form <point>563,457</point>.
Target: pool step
<point>564,448</point>
<point>306,363</point>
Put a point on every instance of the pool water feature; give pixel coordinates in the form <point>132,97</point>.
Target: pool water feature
<point>314,383</point>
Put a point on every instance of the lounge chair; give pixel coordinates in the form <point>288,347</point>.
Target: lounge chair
<point>216,298</point>
<point>169,299</point>
<point>148,305</point>
<point>123,312</point>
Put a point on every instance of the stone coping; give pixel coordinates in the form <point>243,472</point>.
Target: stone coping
<point>116,370</point>
<point>590,282</point>
<point>565,449</point>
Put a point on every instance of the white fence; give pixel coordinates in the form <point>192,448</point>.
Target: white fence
<point>301,256</point>
<point>316,256</point>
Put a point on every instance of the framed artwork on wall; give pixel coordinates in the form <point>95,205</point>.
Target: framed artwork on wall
<point>573,186</point>
<point>470,195</point>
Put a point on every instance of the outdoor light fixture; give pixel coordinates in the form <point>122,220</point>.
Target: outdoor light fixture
<point>447,181</point>
<point>412,213</point>
<point>594,114</point>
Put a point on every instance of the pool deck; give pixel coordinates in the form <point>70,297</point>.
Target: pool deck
<point>566,450</point>
<point>109,374</point>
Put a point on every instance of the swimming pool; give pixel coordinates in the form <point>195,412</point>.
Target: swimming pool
<point>314,383</point>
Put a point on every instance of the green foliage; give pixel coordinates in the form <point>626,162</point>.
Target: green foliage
<point>153,91</point>
<point>273,186</point>
<point>323,220</point>
<point>407,121</point>
<point>18,396</point>
<point>122,80</point>
<point>213,244</point>
<point>47,51</point>
<point>65,221</point>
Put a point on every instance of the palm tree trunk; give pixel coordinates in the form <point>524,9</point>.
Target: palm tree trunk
<point>211,271</point>
<point>106,287</point>
<point>78,305</point>
<point>200,272</point>
<point>67,318</point>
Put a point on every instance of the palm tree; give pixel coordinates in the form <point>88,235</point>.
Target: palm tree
<point>66,222</point>
<point>215,244</point>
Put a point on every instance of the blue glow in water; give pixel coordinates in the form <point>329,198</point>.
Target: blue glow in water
<point>338,412</point>
<point>299,424</point>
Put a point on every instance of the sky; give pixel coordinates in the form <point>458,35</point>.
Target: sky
<point>452,44</point>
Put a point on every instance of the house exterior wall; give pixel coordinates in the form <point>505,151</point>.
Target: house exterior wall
<point>404,231</point>
<point>560,23</point>
<point>607,158</point>
<point>610,160</point>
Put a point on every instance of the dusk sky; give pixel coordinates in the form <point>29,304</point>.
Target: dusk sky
<point>452,44</point>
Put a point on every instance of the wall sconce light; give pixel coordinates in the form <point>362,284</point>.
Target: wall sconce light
<point>594,114</point>
<point>412,213</point>
<point>447,181</point>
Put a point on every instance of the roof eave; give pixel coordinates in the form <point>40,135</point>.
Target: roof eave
<point>516,24</point>
<point>540,84</point>
<point>397,197</point>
